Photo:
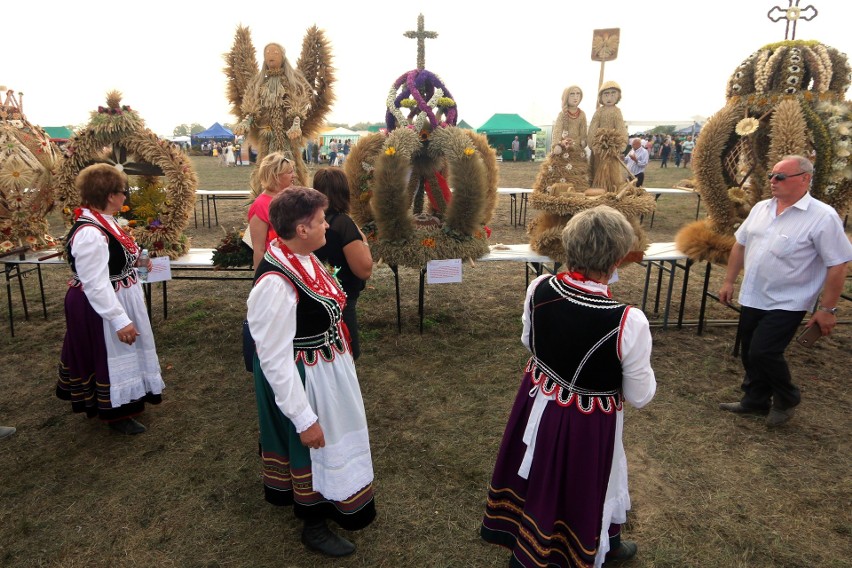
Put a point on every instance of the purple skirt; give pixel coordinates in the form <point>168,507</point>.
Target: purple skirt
<point>552,518</point>
<point>83,369</point>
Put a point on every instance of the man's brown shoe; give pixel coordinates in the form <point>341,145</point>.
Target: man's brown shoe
<point>738,408</point>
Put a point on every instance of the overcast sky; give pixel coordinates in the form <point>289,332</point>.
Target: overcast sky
<point>514,57</point>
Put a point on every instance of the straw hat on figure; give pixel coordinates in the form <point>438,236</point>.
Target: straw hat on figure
<point>279,106</point>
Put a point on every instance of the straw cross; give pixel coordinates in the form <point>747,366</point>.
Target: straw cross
<point>792,14</point>
<point>421,35</point>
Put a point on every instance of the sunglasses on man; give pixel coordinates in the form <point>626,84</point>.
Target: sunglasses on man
<point>782,177</point>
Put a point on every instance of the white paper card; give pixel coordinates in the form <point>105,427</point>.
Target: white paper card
<point>444,271</point>
<point>161,269</point>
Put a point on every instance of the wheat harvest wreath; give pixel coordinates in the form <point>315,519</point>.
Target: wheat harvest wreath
<point>117,135</point>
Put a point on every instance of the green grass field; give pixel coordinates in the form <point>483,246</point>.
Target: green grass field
<point>709,489</point>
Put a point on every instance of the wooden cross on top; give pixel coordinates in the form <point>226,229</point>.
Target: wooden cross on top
<point>421,35</point>
<point>792,14</point>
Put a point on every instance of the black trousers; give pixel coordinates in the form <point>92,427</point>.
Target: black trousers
<point>351,320</point>
<point>640,179</point>
<point>765,335</point>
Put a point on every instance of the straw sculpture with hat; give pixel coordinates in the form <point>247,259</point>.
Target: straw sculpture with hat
<point>562,187</point>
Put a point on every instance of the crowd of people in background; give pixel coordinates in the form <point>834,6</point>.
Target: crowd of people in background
<point>228,153</point>
<point>666,147</point>
<point>333,153</point>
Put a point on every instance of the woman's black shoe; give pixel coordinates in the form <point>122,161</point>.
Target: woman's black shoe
<point>127,426</point>
<point>318,537</point>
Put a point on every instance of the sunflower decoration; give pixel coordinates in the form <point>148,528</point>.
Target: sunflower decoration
<point>785,98</point>
<point>167,181</point>
<point>27,160</point>
<point>400,180</point>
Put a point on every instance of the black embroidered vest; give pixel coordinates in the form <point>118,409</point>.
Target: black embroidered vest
<point>574,338</point>
<point>318,317</point>
<point>121,272</point>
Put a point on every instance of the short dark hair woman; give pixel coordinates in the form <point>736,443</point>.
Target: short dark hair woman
<point>558,495</point>
<point>109,366</point>
<point>314,441</point>
<point>345,247</point>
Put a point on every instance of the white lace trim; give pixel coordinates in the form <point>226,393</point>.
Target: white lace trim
<point>341,470</point>
<point>617,501</point>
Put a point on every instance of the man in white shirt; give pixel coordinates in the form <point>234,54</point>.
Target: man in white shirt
<point>792,246</point>
<point>516,147</point>
<point>688,147</point>
<point>637,160</point>
<point>531,147</point>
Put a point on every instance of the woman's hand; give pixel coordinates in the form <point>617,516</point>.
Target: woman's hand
<point>128,334</point>
<point>313,437</point>
<point>149,264</point>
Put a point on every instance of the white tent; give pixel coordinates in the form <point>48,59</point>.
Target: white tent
<point>179,139</point>
<point>339,133</point>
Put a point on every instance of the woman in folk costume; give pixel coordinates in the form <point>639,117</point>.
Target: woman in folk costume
<point>559,493</point>
<point>314,441</point>
<point>109,366</point>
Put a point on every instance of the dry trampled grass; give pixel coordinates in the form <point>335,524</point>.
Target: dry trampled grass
<point>709,489</point>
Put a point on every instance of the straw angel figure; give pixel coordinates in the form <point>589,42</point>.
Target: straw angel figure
<point>280,107</point>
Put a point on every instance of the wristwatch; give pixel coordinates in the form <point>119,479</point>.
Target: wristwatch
<point>832,311</point>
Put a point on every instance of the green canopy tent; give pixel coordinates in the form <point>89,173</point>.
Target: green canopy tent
<point>58,133</point>
<point>463,124</point>
<point>501,129</point>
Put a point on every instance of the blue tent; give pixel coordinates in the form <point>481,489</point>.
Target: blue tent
<point>217,131</point>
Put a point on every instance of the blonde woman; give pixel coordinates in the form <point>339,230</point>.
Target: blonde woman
<point>275,174</point>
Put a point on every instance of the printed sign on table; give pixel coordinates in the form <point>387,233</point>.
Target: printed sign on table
<point>444,271</point>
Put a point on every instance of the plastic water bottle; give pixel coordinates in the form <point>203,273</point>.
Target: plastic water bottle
<point>142,266</point>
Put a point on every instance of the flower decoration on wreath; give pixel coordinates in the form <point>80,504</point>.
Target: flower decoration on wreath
<point>785,98</point>
<point>138,151</point>
<point>27,160</point>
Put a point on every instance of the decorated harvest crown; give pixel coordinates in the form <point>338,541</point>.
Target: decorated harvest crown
<point>785,98</point>
<point>27,158</point>
<point>790,67</point>
<point>399,180</point>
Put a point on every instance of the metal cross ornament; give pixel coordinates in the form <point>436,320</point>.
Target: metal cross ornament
<point>421,35</point>
<point>792,14</point>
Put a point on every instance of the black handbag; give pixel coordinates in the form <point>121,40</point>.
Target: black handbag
<point>248,347</point>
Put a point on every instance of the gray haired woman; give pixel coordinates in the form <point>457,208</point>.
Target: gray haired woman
<point>558,495</point>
